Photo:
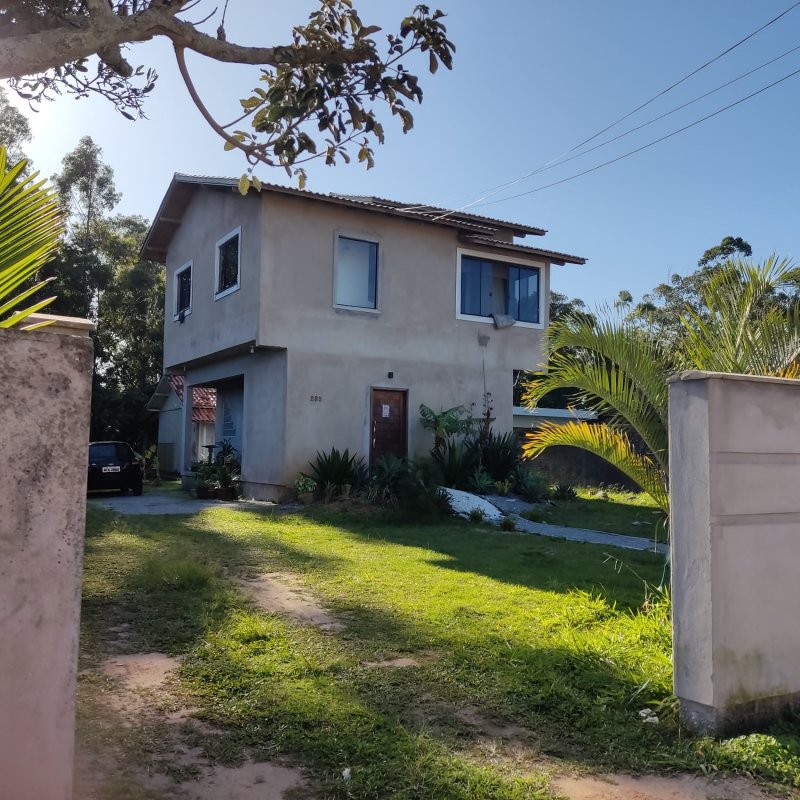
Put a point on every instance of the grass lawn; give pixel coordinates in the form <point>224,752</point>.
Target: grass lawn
<point>545,635</point>
<point>631,513</point>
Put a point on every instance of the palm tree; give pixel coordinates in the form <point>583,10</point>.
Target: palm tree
<point>620,369</point>
<point>31,225</point>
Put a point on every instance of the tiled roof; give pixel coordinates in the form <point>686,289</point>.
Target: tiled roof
<point>204,405</point>
<point>177,197</point>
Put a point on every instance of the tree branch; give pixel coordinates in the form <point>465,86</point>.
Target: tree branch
<point>34,53</point>
<point>207,116</point>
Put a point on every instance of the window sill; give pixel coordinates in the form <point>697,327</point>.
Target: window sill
<point>490,321</point>
<point>226,292</point>
<point>357,310</point>
<point>177,317</point>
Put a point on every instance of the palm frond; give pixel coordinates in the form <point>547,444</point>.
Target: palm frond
<point>613,368</point>
<point>31,225</point>
<point>742,330</point>
<point>611,445</point>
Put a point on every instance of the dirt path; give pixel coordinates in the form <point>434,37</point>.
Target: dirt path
<point>278,593</point>
<point>130,698</point>
<point>679,787</point>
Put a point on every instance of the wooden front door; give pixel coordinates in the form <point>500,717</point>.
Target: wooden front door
<point>389,425</point>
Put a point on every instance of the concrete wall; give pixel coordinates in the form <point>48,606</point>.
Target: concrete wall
<point>45,398</point>
<point>735,529</point>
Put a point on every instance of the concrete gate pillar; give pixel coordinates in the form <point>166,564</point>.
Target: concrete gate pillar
<point>735,530</point>
<point>45,397</point>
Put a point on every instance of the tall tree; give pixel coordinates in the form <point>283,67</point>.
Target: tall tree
<point>87,189</point>
<point>318,95</point>
<point>15,131</point>
<point>663,308</point>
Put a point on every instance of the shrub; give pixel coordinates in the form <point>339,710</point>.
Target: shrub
<point>530,484</point>
<point>419,493</point>
<point>500,454</point>
<point>305,484</point>
<point>456,463</point>
<point>386,475</point>
<point>502,487</point>
<point>564,492</point>
<point>338,470</point>
<point>476,515</point>
<point>481,481</point>
<point>507,524</point>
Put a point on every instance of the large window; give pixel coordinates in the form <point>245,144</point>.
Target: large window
<point>356,273</point>
<point>227,264</point>
<point>183,290</point>
<point>489,288</point>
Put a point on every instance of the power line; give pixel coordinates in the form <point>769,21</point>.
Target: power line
<point>668,113</point>
<point>499,188</point>
<point>690,75</point>
<point>645,146</point>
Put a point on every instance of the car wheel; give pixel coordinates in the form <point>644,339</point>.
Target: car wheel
<point>137,490</point>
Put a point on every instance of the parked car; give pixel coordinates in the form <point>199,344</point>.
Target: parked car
<point>114,465</point>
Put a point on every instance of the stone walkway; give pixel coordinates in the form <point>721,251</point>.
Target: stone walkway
<point>155,501</point>
<point>514,507</point>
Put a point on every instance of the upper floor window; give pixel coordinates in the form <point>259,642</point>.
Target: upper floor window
<point>356,273</point>
<point>183,290</point>
<point>487,287</point>
<point>227,264</point>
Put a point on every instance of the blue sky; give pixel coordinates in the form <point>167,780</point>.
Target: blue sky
<point>531,80</point>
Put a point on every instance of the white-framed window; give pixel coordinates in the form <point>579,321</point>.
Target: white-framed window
<point>355,279</point>
<point>487,287</point>
<point>182,290</point>
<point>227,263</point>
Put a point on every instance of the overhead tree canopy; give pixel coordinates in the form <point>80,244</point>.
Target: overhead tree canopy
<point>318,94</point>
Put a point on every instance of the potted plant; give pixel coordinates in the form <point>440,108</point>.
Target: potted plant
<point>306,488</point>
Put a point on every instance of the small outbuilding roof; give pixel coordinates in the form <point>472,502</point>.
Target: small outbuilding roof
<point>204,405</point>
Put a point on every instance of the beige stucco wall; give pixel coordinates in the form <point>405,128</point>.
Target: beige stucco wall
<point>45,397</point>
<point>735,529</point>
<point>212,215</point>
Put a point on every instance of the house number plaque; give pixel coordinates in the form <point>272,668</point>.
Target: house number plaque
<point>385,411</point>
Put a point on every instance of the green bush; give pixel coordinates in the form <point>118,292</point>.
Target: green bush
<point>386,475</point>
<point>564,492</point>
<point>419,492</point>
<point>481,481</point>
<point>304,484</point>
<point>476,515</point>
<point>530,484</point>
<point>456,462</point>
<point>337,470</point>
<point>507,524</point>
<point>500,454</point>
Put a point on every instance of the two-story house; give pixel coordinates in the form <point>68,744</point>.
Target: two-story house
<point>325,320</point>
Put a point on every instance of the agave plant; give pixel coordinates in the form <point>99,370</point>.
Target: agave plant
<point>31,225</point>
<point>621,370</point>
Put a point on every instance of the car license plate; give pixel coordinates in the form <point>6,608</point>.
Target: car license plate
<point>110,469</point>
